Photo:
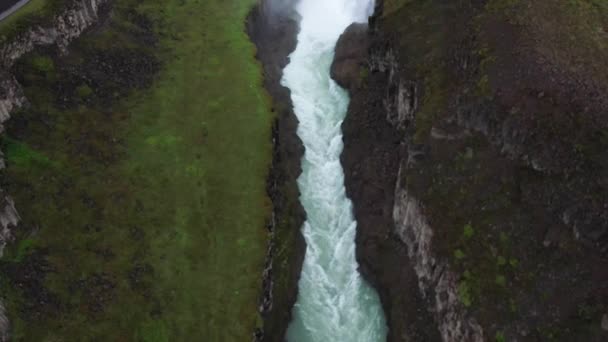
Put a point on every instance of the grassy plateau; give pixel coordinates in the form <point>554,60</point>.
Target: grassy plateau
<point>139,172</point>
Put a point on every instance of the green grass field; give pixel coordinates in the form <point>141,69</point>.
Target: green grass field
<point>143,218</point>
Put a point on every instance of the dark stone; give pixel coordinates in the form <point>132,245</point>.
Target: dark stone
<point>349,66</point>
<point>273,28</point>
<point>372,151</point>
<point>535,144</point>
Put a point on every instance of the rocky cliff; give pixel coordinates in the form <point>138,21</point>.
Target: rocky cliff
<point>60,30</point>
<point>475,155</point>
<point>64,27</point>
<point>273,27</point>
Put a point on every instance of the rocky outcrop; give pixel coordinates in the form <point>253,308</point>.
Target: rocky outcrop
<point>59,31</point>
<point>386,222</point>
<point>273,26</point>
<point>434,276</point>
<point>478,183</point>
<point>64,27</point>
<point>349,65</point>
<point>11,97</point>
<point>373,149</point>
<point>8,220</point>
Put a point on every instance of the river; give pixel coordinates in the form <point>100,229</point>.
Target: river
<point>334,303</point>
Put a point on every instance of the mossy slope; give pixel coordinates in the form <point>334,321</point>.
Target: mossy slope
<point>139,171</point>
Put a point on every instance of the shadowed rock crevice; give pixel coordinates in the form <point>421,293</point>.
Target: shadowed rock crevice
<point>273,28</point>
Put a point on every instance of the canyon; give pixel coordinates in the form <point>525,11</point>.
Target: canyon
<point>475,157</point>
<point>456,170</point>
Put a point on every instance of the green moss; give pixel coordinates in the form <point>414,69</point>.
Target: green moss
<point>20,155</point>
<point>154,331</point>
<point>501,261</point>
<point>468,203</point>
<point>468,231</point>
<point>459,254</point>
<point>433,103</point>
<point>501,6</point>
<point>464,293</point>
<point>501,280</point>
<point>24,247</point>
<point>363,75</point>
<point>84,91</point>
<point>483,86</point>
<point>427,48</point>
<point>43,63</point>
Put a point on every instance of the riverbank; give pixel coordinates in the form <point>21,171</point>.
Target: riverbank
<point>273,27</point>
<point>139,170</point>
<point>475,159</point>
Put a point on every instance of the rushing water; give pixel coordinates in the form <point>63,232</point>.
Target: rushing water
<point>334,302</point>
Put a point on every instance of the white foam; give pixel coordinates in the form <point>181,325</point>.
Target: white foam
<point>334,303</point>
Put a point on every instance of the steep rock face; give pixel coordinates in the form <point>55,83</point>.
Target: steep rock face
<point>475,158</point>
<point>373,148</point>
<point>348,67</point>
<point>434,277</point>
<point>273,26</point>
<point>61,29</point>
<point>11,98</point>
<point>393,233</point>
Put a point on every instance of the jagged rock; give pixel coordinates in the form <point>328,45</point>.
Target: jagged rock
<point>61,30</point>
<point>11,97</point>
<point>272,27</point>
<point>373,148</point>
<point>349,67</point>
<point>424,71</point>
<point>4,325</point>
<point>434,277</point>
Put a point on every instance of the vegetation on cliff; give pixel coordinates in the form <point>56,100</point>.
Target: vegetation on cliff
<point>139,169</point>
<point>511,133</point>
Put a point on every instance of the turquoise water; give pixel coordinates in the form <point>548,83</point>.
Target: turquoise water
<point>334,302</point>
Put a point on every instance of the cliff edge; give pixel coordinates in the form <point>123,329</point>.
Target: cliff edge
<point>475,156</point>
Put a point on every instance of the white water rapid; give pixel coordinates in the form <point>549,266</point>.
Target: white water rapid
<point>334,302</point>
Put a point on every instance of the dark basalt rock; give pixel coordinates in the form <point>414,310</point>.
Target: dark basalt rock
<point>468,121</point>
<point>273,28</point>
<point>372,150</point>
<point>349,67</point>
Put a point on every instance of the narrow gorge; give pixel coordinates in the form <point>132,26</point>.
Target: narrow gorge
<point>389,170</point>
<point>334,302</point>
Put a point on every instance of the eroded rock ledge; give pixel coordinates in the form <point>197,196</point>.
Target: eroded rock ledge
<point>273,28</point>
